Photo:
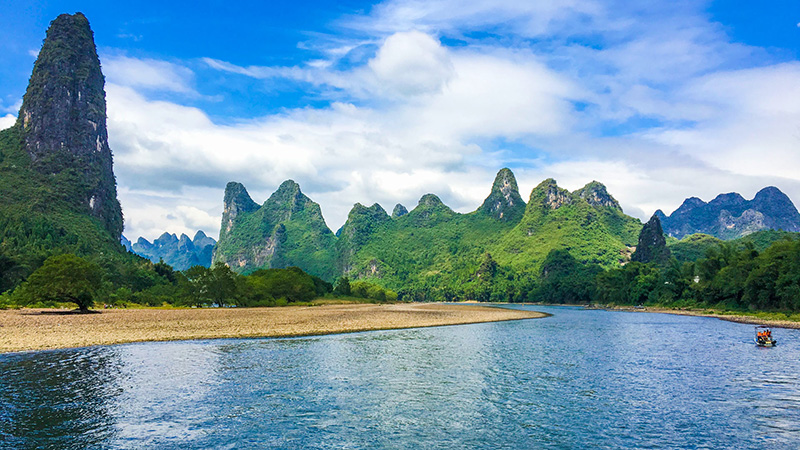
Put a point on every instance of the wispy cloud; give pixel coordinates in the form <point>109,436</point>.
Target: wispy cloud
<point>148,74</point>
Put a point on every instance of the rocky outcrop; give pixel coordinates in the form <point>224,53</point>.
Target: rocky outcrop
<point>595,194</point>
<point>504,201</point>
<point>63,119</point>
<point>652,246</point>
<point>399,211</point>
<point>729,216</point>
<point>547,194</point>
<point>235,202</point>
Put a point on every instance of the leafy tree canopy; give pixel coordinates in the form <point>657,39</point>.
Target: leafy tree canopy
<point>62,278</point>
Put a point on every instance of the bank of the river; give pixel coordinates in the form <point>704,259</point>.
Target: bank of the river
<point>724,315</point>
<point>36,329</point>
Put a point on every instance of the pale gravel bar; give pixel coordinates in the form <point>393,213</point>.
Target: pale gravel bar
<point>33,329</point>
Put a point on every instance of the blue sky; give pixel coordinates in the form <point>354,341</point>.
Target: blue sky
<point>384,102</point>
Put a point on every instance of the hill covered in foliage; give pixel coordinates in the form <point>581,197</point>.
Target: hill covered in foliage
<point>430,252</point>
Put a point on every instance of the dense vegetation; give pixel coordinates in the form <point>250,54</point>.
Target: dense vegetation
<point>60,226</point>
<point>39,218</point>
<point>287,230</point>
<point>435,254</point>
<point>68,278</point>
<point>730,276</point>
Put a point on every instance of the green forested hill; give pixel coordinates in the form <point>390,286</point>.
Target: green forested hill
<point>287,230</point>
<point>696,246</point>
<point>588,223</point>
<point>432,251</point>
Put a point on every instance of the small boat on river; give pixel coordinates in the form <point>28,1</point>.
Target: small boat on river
<point>764,337</point>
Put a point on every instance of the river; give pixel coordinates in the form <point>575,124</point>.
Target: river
<point>578,379</point>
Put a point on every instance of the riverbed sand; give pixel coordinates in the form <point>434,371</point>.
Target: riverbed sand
<point>36,329</point>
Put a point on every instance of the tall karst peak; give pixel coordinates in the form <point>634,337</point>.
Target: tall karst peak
<point>430,210</point>
<point>504,201</point>
<point>548,194</point>
<point>652,246</point>
<point>596,194</point>
<point>289,189</point>
<point>362,222</point>
<point>166,238</point>
<point>63,118</point>
<point>236,196</point>
<point>236,202</point>
<point>399,211</point>
<point>375,211</point>
<point>771,196</point>
<point>289,198</point>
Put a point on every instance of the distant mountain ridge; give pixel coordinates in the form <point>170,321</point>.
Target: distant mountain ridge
<point>431,245</point>
<point>179,252</point>
<point>730,216</point>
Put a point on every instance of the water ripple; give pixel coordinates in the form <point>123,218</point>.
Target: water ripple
<point>579,379</point>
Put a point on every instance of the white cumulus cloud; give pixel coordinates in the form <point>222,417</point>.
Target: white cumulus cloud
<point>412,63</point>
<point>7,121</point>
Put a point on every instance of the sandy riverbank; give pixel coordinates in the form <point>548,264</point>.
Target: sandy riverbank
<point>32,329</point>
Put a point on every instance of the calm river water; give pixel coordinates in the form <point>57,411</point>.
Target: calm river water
<point>578,379</point>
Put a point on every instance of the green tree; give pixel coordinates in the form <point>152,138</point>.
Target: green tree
<point>291,284</point>
<point>565,280</point>
<point>342,287</point>
<point>62,278</point>
<point>165,270</point>
<point>221,284</point>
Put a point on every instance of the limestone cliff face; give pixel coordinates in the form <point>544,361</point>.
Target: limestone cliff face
<point>362,223</point>
<point>63,118</point>
<point>287,230</point>
<point>595,194</point>
<point>730,216</point>
<point>236,202</point>
<point>548,195</point>
<point>504,201</point>
<point>399,211</point>
<point>652,246</point>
